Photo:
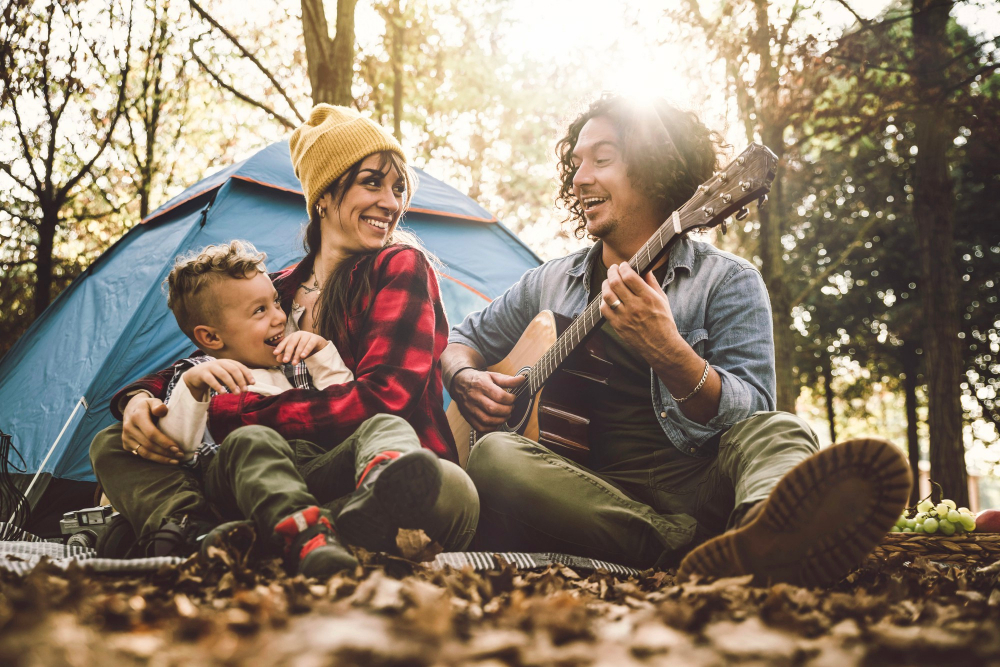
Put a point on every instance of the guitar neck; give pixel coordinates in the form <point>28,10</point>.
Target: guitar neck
<point>591,316</point>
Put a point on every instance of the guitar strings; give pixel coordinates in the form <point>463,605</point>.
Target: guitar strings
<point>591,310</point>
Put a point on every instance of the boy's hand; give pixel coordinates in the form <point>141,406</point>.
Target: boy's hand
<point>220,374</point>
<point>297,346</point>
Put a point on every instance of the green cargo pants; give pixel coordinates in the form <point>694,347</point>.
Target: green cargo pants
<point>648,507</point>
<point>257,474</point>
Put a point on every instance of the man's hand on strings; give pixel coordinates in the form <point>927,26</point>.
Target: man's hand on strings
<point>483,397</point>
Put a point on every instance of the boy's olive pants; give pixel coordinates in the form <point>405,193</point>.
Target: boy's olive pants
<point>259,475</point>
<point>644,507</point>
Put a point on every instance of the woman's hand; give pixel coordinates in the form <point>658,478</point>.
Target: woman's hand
<point>298,346</point>
<point>222,375</point>
<point>482,397</point>
<point>141,435</point>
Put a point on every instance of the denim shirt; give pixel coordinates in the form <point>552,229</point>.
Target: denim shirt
<point>719,303</point>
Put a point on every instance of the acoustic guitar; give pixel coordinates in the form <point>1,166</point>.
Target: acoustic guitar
<point>558,356</point>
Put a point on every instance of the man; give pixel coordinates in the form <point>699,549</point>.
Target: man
<point>687,455</point>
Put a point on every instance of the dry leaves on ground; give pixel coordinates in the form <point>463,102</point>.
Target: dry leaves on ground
<point>394,611</point>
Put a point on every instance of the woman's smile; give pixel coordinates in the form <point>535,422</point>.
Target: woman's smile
<point>360,219</point>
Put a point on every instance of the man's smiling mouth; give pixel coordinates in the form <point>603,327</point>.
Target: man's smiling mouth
<point>591,203</point>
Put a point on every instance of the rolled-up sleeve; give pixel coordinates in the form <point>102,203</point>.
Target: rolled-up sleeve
<point>740,347</point>
<point>494,330</point>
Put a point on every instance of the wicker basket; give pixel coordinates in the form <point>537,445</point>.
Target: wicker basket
<point>967,548</point>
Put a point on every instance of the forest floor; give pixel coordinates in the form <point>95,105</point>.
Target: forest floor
<point>393,612</point>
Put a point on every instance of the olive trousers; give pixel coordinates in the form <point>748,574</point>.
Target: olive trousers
<point>259,475</point>
<point>642,508</point>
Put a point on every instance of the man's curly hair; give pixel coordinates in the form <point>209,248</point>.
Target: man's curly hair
<point>192,273</point>
<point>668,152</point>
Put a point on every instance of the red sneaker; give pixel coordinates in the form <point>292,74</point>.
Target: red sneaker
<point>311,545</point>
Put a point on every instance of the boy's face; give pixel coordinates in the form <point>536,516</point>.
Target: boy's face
<point>249,321</point>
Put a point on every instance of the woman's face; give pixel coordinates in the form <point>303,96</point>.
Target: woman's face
<point>369,210</point>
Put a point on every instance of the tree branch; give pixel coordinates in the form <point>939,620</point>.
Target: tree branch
<point>270,77</point>
<point>969,51</point>
<point>834,264</point>
<point>783,40</point>
<point>863,22</point>
<point>868,65</point>
<point>985,69</point>
<point>24,147</point>
<point>119,111</point>
<point>6,168</point>
<point>246,98</point>
<point>18,216</point>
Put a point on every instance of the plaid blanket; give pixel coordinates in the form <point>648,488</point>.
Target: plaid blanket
<point>21,557</point>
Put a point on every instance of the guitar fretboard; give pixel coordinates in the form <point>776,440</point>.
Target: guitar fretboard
<point>591,316</point>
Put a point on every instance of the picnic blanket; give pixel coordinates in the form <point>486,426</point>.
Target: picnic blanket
<point>22,556</point>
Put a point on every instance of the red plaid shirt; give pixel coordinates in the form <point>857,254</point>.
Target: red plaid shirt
<point>394,349</point>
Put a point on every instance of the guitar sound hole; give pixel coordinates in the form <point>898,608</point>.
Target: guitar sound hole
<point>519,416</point>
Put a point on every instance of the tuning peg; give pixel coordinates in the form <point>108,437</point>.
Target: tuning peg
<point>742,213</point>
<point>762,201</point>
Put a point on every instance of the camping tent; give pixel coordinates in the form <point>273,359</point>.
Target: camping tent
<point>111,325</point>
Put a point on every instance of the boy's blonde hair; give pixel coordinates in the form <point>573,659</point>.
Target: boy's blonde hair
<point>194,272</point>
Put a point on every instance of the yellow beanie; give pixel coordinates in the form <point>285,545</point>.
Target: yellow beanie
<point>333,139</point>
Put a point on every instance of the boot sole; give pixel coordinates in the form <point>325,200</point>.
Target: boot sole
<point>820,521</point>
<point>400,497</point>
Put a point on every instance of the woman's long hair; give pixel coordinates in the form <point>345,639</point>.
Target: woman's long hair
<point>350,283</point>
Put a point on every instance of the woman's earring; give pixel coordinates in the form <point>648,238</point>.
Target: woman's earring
<point>321,211</point>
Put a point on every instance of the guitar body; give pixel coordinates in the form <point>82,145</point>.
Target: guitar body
<point>556,416</point>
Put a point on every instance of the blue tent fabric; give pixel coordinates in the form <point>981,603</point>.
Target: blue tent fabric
<point>111,325</point>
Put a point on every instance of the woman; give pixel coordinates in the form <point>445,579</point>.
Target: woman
<point>373,292</point>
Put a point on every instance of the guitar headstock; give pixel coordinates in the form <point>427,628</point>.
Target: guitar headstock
<point>745,179</point>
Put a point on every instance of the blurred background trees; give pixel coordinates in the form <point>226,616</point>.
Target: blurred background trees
<point>880,245</point>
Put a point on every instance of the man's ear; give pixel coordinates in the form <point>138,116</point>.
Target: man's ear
<point>207,338</point>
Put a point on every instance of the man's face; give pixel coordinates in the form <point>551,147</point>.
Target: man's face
<point>249,319</point>
<point>615,211</point>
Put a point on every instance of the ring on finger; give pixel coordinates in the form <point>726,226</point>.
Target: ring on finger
<point>616,304</point>
<point>136,450</point>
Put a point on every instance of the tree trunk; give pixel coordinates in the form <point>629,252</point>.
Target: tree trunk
<point>330,61</point>
<point>772,131</point>
<point>43,259</point>
<point>773,271</point>
<point>397,73</point>
<point>934,215</point>
<point>828,392</point>
<point>910,362</point>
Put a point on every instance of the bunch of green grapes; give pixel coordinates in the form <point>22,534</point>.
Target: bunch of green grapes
<point>945,518</point>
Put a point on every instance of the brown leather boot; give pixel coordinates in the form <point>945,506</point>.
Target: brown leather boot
<point>820,521</point>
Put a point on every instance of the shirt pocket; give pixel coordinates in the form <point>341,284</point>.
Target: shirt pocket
<point>697,339</point>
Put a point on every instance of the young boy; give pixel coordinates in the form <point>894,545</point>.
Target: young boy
<point>225,303</point>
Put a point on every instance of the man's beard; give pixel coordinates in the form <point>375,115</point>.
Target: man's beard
<point>604,228</point>
<point>616,223</point>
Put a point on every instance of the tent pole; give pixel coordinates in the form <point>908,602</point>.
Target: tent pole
<point>34,479</point>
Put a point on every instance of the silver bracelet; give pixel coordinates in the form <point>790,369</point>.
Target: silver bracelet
<point>704,376</point>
